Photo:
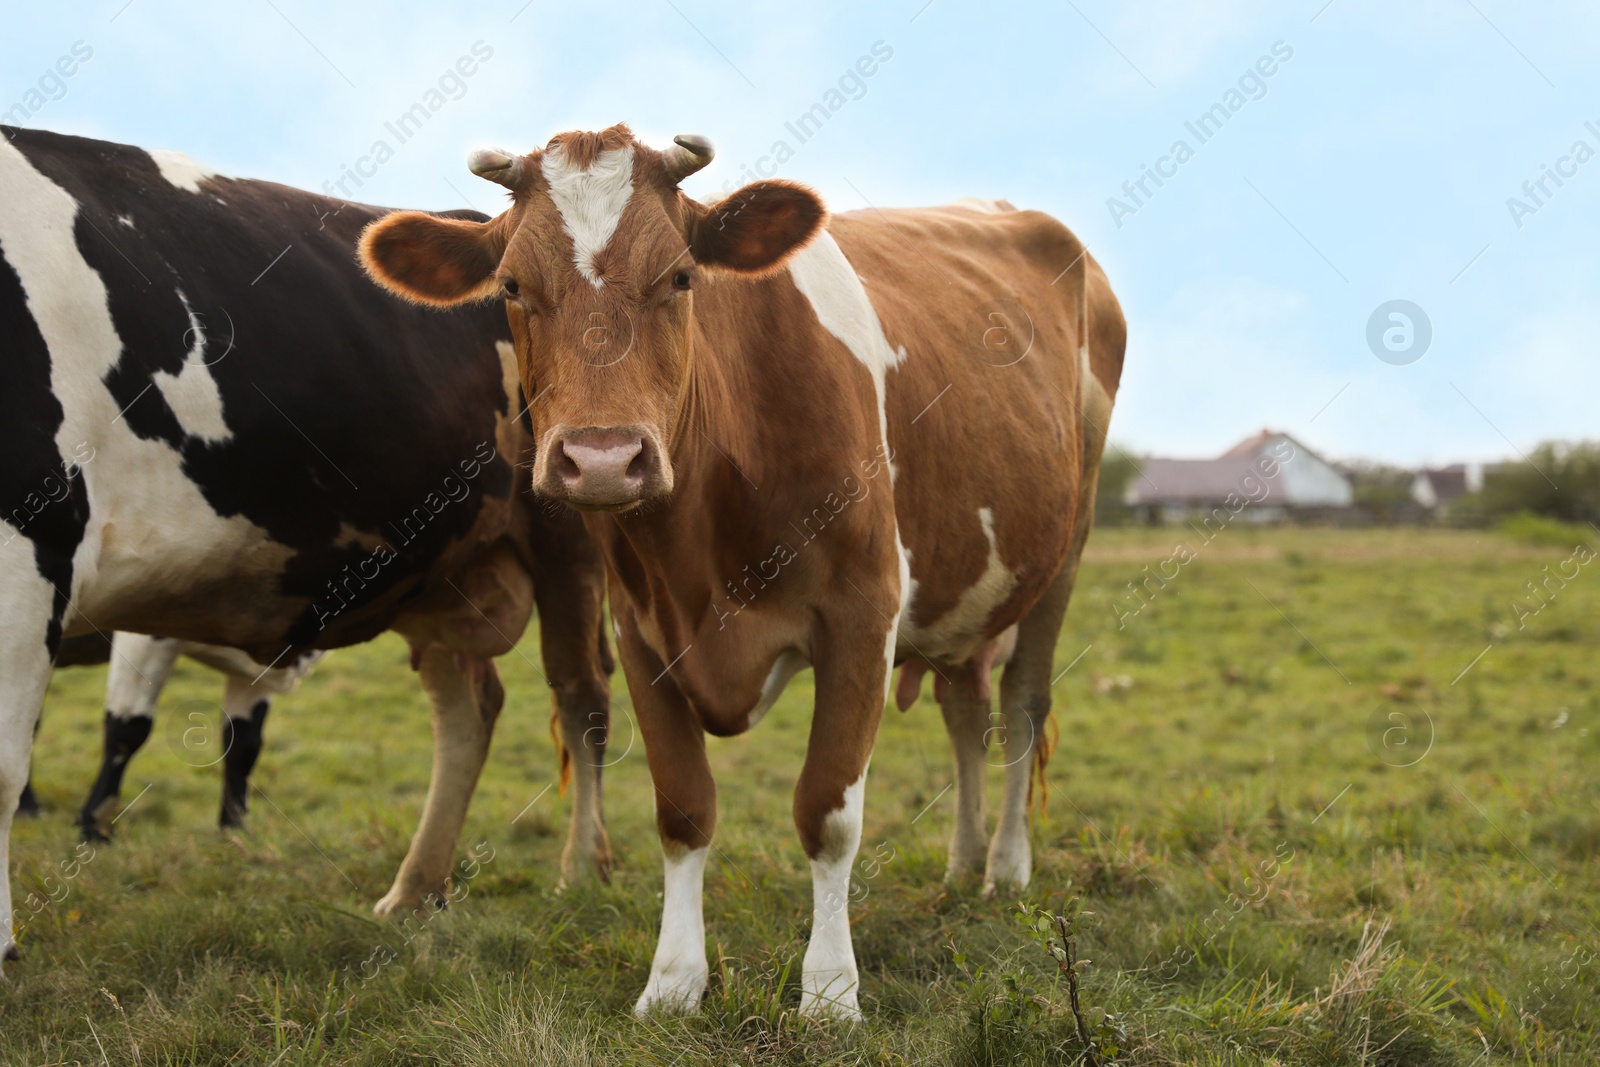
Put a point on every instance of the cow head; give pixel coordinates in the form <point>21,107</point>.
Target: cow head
<point>597,260</point>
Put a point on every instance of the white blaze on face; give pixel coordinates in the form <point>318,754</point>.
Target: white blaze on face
<point>180,170</point>
<point>591,201</point>
<point>192,393</point>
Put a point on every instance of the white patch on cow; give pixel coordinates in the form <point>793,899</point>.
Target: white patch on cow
<point>829,980</point>
<point>139,668</point>
<point>825,278</point>
<point>898,649</point>
<point>959,633</point>
<point>679,972</point>
<point>180,170</point>
<point>192,393</point>
<point>908,597</point>
<point>1010,861</point>
<point>126,220</point>
<point>788,664</point>
<point>25,601</point>
<point>236,664</point>
<point>591,201</point>
<point>150,529</point>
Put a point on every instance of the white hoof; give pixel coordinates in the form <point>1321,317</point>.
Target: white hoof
<point>674,994</point>
<point>1008,869</point>
<point>397,904</point>
<point>830,995</point>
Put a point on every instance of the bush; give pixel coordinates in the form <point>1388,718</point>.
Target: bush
<point>1117,469</point>
<point>1534,529</point>
<point>1382,492</point>
<point>1560,480</point>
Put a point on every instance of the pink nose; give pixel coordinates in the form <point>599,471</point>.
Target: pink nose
<point>603,466</point>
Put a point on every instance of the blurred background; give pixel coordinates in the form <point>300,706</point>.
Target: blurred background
<point>1393,152</point>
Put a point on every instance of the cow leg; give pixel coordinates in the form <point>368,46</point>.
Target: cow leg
<point>28,806</point>
<point>966,719</point>
<point>467,697</point>
<point>244,710</point>
<point>1025,705</point>
<point>138,671</point>
<point>686,817</point>
<point>584,710</point>
<point>28,603</point>
<point>852,685</point>
<point>568,588</point>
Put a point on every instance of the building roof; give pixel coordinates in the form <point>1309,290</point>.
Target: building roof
<point>1187,481</point>
<point>1252,445</point>
<point>1434,486</point>
<point>1198,481</point>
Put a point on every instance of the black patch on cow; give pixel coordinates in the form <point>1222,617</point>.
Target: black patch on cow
<point>349,410</point>
<point>40,494</point>
<point>86,650</point>
<point>28,806</point>
<point>123,737</point>
<point>241,741</point>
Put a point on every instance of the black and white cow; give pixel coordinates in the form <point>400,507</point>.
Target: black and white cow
<point>215,428</point>
<point>139,669</point>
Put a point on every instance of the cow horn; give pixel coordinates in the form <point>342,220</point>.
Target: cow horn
<point>689,153</point>
<point>497,166</point>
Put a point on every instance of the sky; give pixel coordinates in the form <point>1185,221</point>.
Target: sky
<point>1383,158</point>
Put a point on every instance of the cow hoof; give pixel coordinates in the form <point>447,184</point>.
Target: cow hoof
<point>670,994</point>
<point>585,863</point>
<point>397,904</point>
<point>12,953</point>
<point>843,1008</point>
<point>394,904</point>
<point>959,870</point>
<point>1008,872</point>
<point>995,887</point>
<point>91,832</point>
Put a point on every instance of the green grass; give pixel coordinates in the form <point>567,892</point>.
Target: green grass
<point>1307,831</point>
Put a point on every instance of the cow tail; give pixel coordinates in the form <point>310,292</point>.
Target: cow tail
<point>1041,759</point>
<point>566,754</point>
<point>607,663</point>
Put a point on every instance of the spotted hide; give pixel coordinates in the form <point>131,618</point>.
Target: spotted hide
<point>216,429</point>
<point>845,444</point>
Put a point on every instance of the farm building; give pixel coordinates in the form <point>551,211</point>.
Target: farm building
<point>1262,479</point>
<point>1437,488</point>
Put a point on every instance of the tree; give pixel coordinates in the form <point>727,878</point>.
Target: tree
<point>1383,492</point>
<point>1560,480</point>
<point>1117,470</point>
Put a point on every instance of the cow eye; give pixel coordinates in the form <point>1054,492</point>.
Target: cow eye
<point>680,280</point>
<point>510,287</point>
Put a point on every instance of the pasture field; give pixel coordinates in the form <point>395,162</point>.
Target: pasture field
<point>1328,799</point>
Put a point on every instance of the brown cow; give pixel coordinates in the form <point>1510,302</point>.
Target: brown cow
<point>796,448</point>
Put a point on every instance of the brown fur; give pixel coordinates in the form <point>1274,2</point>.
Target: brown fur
<point>432,260</point>
<point>582,148</point>
<point>770,429</point>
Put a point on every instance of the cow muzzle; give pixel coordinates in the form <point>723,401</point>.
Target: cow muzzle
<point>603,468</point>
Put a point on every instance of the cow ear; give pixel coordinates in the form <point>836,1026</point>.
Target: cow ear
<point>758,227</point>
<point>433,260</point>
